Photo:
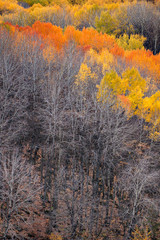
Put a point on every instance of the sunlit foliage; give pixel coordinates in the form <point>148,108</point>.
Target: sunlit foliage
<point>131,43</point>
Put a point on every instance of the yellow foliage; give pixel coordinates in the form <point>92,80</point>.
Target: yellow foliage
<point>1,20</point>
<point>48,53</point>
<point>85,74</point>
<point>133,79</point>
<point>22,18</point>
<point>36,5</point>
<point>151,107</point>
<point>110,88</point>
<point>122,20</point>
<point>142,234</point>
<point>55,237</point>
<point>61,3</point>
<point>9,6</point>
<point>86,14</point>
<point>135,87</point>
<point>131,84</point>
<point>42,2</point>
<point>12,1</point>
<point>136,100</point>
<point>127,91</point>
<point>104,59</point>
<point>102,2</point>
<point>51,14</point>
<point>106,23</point>
<point>84,78</point>
<point>151,113</point>
<point>132,43</point>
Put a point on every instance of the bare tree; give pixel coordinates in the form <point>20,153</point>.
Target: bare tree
<point>145,18</point>
<point>19,189</point>
<point>139,181</point>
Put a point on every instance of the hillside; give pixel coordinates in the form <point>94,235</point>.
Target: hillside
<point>79,120</point>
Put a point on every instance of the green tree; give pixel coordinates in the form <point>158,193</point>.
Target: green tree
<point>106,23</point>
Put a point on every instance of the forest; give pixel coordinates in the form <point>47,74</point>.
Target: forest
<point>79,120</point>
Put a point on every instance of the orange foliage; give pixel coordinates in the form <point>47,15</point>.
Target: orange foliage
<point>54,35</point>
<point>117,51</point>
<point>146,61</point>
<point>90,38</point>
<point>71,34</point>
<point>124,102</point>
<point>50,33</point>
<point>96,40</point>
<point>9,26</point>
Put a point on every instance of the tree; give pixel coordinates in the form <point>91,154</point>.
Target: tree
<point>137,187</point>
<point>106,23</point>
<point>142,234</point>
<point>134,42</point>
<point>19,189</point>
<point>145,17</point>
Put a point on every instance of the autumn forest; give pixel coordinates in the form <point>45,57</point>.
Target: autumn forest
<point>79,120</point>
